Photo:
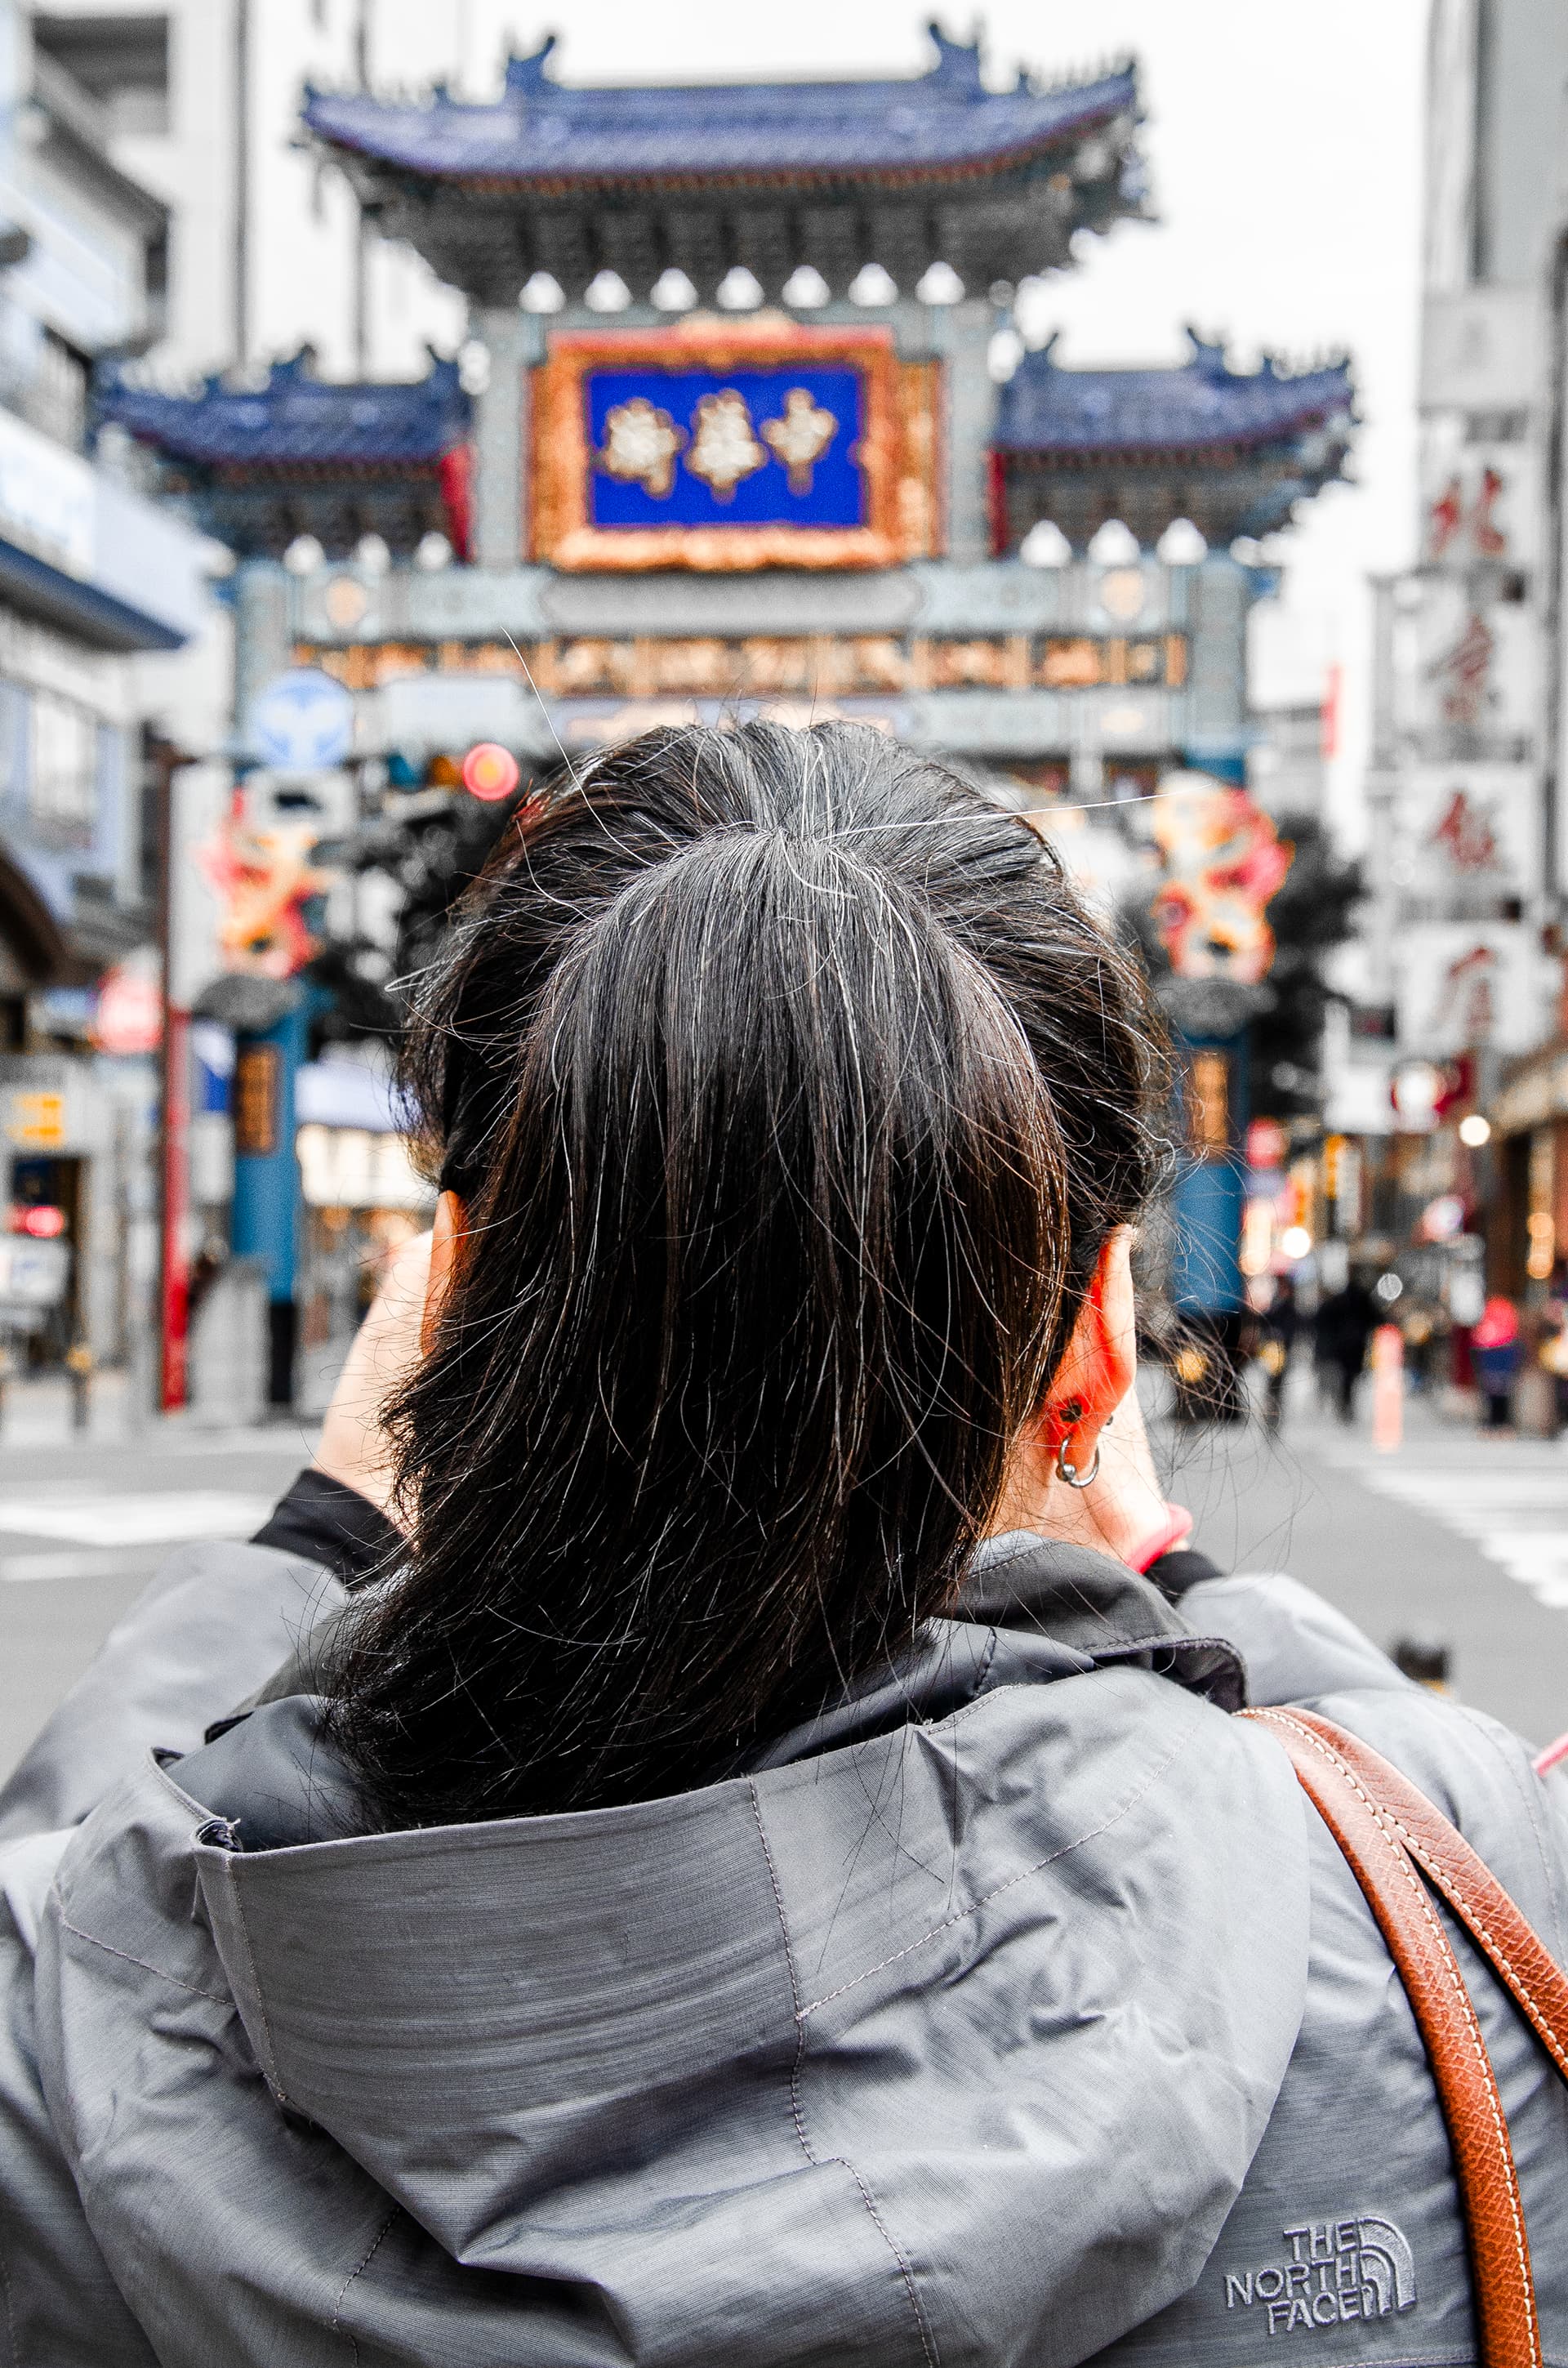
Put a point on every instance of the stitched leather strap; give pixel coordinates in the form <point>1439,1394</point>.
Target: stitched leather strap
<point>1346,1782</point>
<point>1467,1883</point>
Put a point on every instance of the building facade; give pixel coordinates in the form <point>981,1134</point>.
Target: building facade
<point>96,583</point>
<point>752,436</point>
<point>1446,1086</point>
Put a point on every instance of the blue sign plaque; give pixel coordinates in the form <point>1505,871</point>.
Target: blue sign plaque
<point>741,448</point>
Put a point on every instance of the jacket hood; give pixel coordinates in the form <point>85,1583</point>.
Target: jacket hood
<point>922,2018</point>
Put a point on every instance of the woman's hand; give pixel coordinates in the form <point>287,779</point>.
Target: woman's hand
<point>354,1448</point>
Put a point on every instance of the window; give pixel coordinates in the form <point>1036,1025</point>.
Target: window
<point>64,785</point>
<point>121,60</point>
<point>57,399</point>
<point>16,734</point>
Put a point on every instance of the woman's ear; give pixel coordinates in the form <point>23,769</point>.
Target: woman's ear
<point>445,1241</point>
<point>1101,1363</point>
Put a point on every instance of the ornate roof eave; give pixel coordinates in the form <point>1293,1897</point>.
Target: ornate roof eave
<point>628,135</point>
<point>293,424</point>
<point>310,472</point>
<point>1259,495</point>
<point>1238,453</point>
<point>996,195</point>
<point>260,519</point>
<point>1003,164</point>
<point>1200,417</point>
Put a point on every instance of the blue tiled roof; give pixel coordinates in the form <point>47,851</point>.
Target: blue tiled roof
<point>942,123</point>
<point>1202,406</point>
<point>295,421</point>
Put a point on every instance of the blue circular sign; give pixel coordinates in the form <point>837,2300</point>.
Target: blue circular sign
<point>302,721</point>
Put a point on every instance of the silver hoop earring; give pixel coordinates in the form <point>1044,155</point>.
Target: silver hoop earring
<point>1067,1470</point>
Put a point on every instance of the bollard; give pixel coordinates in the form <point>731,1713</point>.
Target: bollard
<point>1425,1659</point>
<point>1388,1388</point>
<point>79,1366</point>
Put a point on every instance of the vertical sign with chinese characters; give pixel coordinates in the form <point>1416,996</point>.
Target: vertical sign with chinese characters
<point>256,1100</point>
<point>1209,1102</point>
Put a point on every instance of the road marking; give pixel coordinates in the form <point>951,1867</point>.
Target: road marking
<point>1517,1516</point>
<point>156,1517</point>
<point>35,1569</point>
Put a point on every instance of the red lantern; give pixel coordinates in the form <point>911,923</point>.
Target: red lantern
<point>489,772</point>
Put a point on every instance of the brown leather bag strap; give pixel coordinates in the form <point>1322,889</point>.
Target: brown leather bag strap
<point>1506,2322</point>
<point>1466,1882</point>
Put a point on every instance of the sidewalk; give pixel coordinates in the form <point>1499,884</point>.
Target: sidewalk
<point>39,1410</point>
<point>87,1520</point>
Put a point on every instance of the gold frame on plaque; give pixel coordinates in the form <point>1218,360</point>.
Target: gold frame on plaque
<point>897,453</point>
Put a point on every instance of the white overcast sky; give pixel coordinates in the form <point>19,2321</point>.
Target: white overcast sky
<point>1284,146</point>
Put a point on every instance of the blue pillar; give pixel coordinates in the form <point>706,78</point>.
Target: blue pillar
<point>267,1177</point>
<point>1205,1276</point>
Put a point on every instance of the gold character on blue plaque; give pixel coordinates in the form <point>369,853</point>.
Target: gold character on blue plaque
<point>640,446</point>
<point>801,438</point>
<point>723,448</point>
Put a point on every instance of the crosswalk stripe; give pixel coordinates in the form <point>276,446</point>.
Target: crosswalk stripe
<point>149,1517</point>
<point>1515,1515</point>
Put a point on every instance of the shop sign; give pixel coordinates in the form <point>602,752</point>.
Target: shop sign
<point>302,722</point>
<point>1468,985</point>
<point>1471,832</point>
<point>1540,1093</point>
<point>49,1105</point>
<point>1480,507</point>
<point>258,1082</point>
<point>734,445</point>
<point>1478,348</point>
<point>1476,678</point>
<point>1209,1102</point>
<point>38,1121</point>
<point>592,723</point>
<point>33,1274</point>
<point>128,1014</point>
<point>350,1167</point>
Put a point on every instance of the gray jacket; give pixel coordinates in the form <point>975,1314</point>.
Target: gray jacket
<point>1020,2012</point>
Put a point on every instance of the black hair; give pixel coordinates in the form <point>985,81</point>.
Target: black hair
<point>791,1092</point>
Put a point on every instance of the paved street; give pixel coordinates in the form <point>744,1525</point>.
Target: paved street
<point>1452,1538</point>
<point>84,1523</point>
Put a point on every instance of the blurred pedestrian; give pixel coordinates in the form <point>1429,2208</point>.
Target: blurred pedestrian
<point>1553,1352</point>
<point>1344,1323</point>
<point>1550,1338</point>
<point>1419,1325</point>
<point>1495,1352</point>
<point>1278,1330</point>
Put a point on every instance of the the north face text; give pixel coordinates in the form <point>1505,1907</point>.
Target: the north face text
<point>1334,2270</point>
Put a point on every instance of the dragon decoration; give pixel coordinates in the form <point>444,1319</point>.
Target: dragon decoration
<point>1223,863</point>
<point>262,880</point>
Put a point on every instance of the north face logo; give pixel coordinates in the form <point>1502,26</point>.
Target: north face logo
<point>1337,2270</point>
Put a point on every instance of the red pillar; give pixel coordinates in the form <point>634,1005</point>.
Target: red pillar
<point>174,1204</point>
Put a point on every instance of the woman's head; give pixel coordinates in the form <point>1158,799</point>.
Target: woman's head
<point>789,1097</point>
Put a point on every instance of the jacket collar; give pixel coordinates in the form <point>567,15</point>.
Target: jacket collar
<point>1030,1610</point>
